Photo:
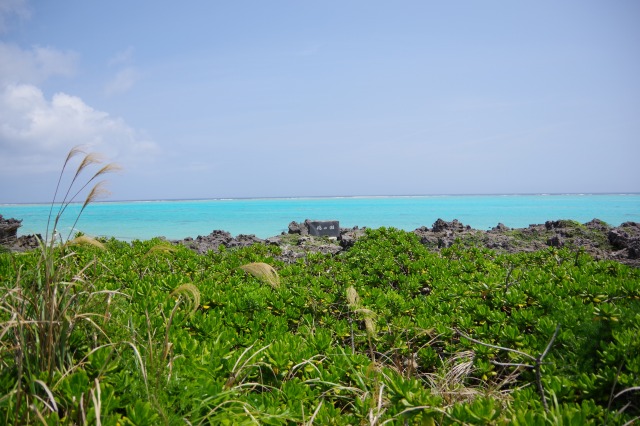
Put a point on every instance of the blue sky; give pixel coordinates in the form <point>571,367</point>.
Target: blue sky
<point>208,99</point>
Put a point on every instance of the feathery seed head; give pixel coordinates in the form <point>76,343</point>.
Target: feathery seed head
<point>86,240</point>
<point>162,248</point>
<point>264,272</point>
<point>98,191</point>
<point>370,326</point>
<point>190,292</point>
<point>89,159</point>
<point>108,168</point>
<point>352,297</point>
<point>76,150</point>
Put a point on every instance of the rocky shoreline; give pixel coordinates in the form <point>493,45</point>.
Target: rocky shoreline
<point>600,240</point>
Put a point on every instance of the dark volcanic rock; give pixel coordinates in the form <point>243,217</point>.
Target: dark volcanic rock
<point>444,234</point>
<point>621,237</point>
<point>9,230</point>
<point>213,241</point>
<point>634,249</point>
<point>349,236</point>
<point>626,239</point>
<point>500,228</point>
<point>594,237</point>
<point>597,225</point>
<point>9,236</point>
<point>219,238</point>
<point>296,246</point>
<point>243,240</point>
<point>26,242</point>
<point>555,241</point>
<point>454,226</point>
<point>298,228</point>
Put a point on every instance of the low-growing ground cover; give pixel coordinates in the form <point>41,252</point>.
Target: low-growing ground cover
<point>385,332</point>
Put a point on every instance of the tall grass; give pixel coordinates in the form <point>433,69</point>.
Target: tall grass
<point>46,307</point>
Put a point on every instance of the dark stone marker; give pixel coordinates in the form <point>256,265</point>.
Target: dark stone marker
<point>324,228</point>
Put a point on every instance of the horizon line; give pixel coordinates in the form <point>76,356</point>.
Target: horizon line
<point>302,197</point>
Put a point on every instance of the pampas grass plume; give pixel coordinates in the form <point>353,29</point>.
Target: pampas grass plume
<point>161,248</point>
<point>264,272</point>
<point>86,240</point>
<point>89,159</point>
<point>190,292</point>
<point>352,297</point>
<point>97,192</point>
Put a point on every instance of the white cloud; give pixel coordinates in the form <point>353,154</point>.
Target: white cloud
<point>35,65</point>
<point>36,133</point>
<point>122,82</point>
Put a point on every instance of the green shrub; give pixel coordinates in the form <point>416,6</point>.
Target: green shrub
<point>157,334</point>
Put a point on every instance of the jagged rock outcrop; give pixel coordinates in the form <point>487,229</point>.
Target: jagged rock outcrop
<point>295,246</point>
<point>626,239</point>
<point>349,236</point>
<point>217,238</point>
<point>595,237</point>
<point>298,228</point>
<point>9,236</point>
<point>9,230</point>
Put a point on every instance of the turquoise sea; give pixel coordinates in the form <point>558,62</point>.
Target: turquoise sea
<point>267,217</point>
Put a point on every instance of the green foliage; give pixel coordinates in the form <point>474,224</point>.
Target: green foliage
<point>187,337</point>
<point>51,318</point>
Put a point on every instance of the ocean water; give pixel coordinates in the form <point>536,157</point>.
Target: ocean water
<point>178,219</point>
